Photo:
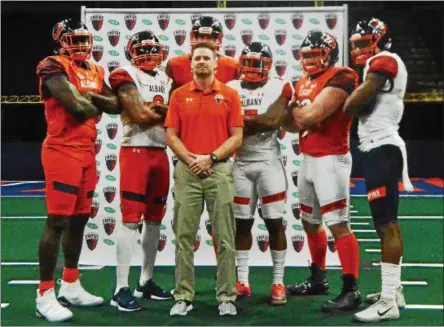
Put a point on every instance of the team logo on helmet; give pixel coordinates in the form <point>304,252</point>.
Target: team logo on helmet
<point>230,20</point>
<point>295,146</point>
<point>297,20</point>
<point>263,242</point>
<point>165,51</point>
<point>97,52</point>
<point>113,65</point>
<point>111,129</point>
<point>230,50</point>
<point>164,21</point>
<point>280,36</point>
<point>294,176</point>
<point>130,21</point>
<point>110,193</point>
<point>91,239</point>
<point>197,243</point>
<point>284,160</point>
<point>247,36</point>
<point>179,36</point>
<point>162,242</point>
<point>296,51</point>
<point>296,209</point>
<point>98,175</point>
<point>113,37</point>
<point>331,243</point>
<point>281,67</point>
<point>94,209</point>
<point>97,22</point>
<point>331,20</point>
<point>108,225</point>
<point>281,134</point>
<point>111,160</point>
<point>259,209</point>
<point>298,242</point>
<point>208,227</point>
<point>98,145</point>
<point>195,17</point>
<point>264,20</point>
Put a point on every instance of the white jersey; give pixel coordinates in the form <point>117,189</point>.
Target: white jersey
<point>152,89</point>
<point>260,146</point>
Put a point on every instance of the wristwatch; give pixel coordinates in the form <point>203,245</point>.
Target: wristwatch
<point>214,158</point>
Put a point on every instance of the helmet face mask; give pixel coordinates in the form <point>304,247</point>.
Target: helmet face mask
<point>73,40</point>
<point>255,63</point>
<point>144,51</point>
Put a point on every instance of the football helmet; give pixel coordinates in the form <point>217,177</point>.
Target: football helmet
<point>206,25</point>
<point>255,62</point>
<point>72,39</point>
<point>144,50</point>
<point>366,37</point>
<point>319,51</point>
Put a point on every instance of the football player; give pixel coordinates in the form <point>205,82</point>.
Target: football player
<point>258,171</point>
<point>378,103</point>
<point>324,176</point>
<point>143,92</point>
<point>74,92</point>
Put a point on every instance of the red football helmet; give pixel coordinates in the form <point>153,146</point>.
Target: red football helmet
<point>73,39</point>
<point>208,27</point>
<point>255,62</point>
<point>144,50</point>
<point>319,51</point>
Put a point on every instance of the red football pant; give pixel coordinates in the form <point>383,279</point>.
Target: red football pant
<point>144,183</point>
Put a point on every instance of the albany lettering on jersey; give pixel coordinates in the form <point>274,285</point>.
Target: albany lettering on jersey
<point>157,88</point>
<point>248,101</point>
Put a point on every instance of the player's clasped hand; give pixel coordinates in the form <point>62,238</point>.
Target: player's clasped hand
<point>201,165</point>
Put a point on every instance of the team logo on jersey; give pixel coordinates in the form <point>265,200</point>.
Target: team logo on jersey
<point>98,118</point>
<point>111,160</point>
<point>230,20</point>
<point>259,210</point>
<point>110,193</point>
<point>219,98</point>
<point>91,239</point>
<point>281,134</point>
<point>164,21</point>
<point>162,242</point>
<point>98,145</point>
<point>175,160</point>
<point>197,243</point>
<point>179,36</point>
<point>98,173</point>
<point>281,67</point>
<point>296,209</point>
<point>97,22</point>
<point>158,98</point>
<point>247,36</point>
<point>111,130</point>
<point>195,17</point>
<point>165,51</point>
<point>97,52</point>
<point>294,176</point>
<point>296,51</point>
<point>113,65</point>
<point>280,36</point>
<point>295,146</point>
<point>297,20</point>
<point>130,21</point>
<point>331,244</point>
<point>264,20</point>
<point>108,225</point>
<point>331,20</point>
<point>230,50</point>
<point>113,37</point>
<point>298,242</point>
<point>208,227</point>
<point>94,209</point>
<point>284,160</point>
<point>263,242</point>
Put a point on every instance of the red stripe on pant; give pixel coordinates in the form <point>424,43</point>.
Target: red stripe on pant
<point>306,209</point>
<point>333,206</point>
<point>274,197</point>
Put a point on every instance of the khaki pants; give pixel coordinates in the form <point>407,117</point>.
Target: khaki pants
<point>190,193</point>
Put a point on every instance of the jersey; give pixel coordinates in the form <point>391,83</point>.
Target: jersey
<point>64,129</point>
<point>331,136</point>
<point>179,69</point>
<point>152,89</point>
<point>260,146</point>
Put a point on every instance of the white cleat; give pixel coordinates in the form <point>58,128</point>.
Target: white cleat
<point>181,308</point>
<point>227,308</point>
<point>49,308</point>
<point>74,294</point>
<point>400,300</point>
<point>382,310</point>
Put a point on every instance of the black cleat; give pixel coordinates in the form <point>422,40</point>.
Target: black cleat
<point>316,284</point>
<point>348,300</point>
<point>150,290</point>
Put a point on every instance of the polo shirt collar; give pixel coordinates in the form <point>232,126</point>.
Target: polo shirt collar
<point>214,87</point>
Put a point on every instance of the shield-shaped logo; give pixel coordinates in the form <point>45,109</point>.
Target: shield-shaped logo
<point>98,118</point>
<point>110,193</point>
<point>97,52</point>
<point>111,160</point>
<point>295,146</point>
<point>297,20</point>
<point>331,20</point>
<point>98,145</point>
<point>162,242</point>
<point>298,242</point>
<point>284,224</point>
<point>113,65</point>
<point>281,134</point>
<point>108,225</point>
<point>230,20</point>
<point>111,130</point>
<point>172,192</point>
<point>97,22</point>
<point>284,160</point>
<point>296,51</point>
<point>175,160</point>
<point>179,36</point>
<point>263,242</point>
<point>165,51</point>
<point>331,243</point>
<point>219,98</point>
<point>230,50</point>
<point>94,209</point>
<point>280,36</point>
<point>294,80</point>
<point>247,36</point>
<point>91,240</point>
<point>281,67</point>
<point>164,21</point>
<point>114,37</point>
<point>208,227</point>
<point>98,173</point>
<point>140,227</point>
<point>296,209</point>
<point>259,209</point>
<point>195,17</point>
<point>197,243</point>
<point>130,21</point>
<point>264,20</point>
<point>294,176</point>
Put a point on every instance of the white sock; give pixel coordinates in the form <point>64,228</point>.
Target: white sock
<point>124,252</point>
<point>150,243</point>
<point>243,269</point>
<point>398,281</point>
<point>390,274</point>
<point>278,258</point>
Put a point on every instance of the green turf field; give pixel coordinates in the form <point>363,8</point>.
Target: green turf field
<point>423,243</point>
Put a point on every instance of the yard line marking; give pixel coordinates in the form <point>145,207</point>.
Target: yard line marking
<point>23,282</point>
<point>424,265</point>
<point>373,250</point>
<point>401,217</point>
<point>414,283</point>
<point>5,305</point>
<point>368,240</point>
<point>364,230</point>
<point>24,217</point>
<point>353,211</point>
<point>359,223</point>
<point>425,306</point>
<point>404,195</point>
<point>20,183</point>
<point>81,267</point>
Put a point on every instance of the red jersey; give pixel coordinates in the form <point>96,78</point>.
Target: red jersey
<point>179,69</point>
<point>64,129</point>
<point>331,136</point>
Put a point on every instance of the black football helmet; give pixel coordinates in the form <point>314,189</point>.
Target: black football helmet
<point>206,26</point>
<point>366,37</point>
<point>319,51</point>
<point>72,39</point>
<point>144,50</point>
<point>255,62</point>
